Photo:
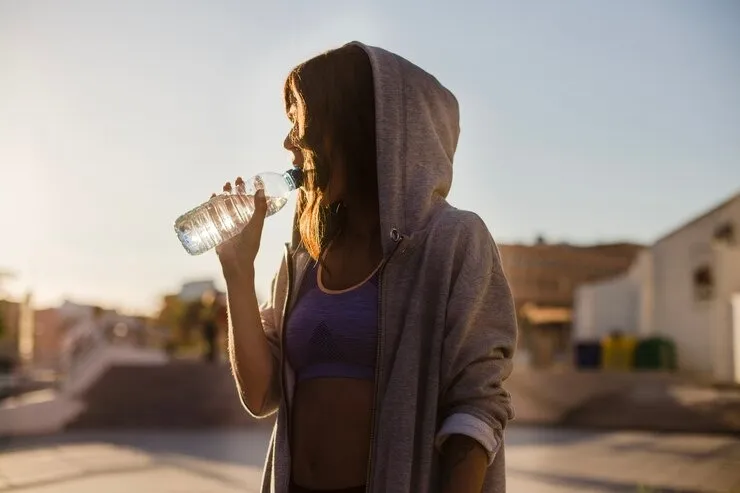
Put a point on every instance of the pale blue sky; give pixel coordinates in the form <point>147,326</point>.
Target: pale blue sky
<point>582,120</point>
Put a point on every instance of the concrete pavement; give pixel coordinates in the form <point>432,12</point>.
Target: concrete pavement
<point>230,460</point>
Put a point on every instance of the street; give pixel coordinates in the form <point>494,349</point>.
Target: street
<point>230,460</point>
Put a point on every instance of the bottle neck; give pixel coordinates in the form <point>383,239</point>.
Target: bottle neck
<point>293,177</point>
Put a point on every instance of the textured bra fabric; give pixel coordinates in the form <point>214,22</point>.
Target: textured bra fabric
<point>333,333</point>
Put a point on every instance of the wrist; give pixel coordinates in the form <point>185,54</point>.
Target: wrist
<point>238,274</point>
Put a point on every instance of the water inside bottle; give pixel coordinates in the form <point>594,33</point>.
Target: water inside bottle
<point>218,220</point>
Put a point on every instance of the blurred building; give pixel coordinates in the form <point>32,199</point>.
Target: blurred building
<point>47,330</point>
<point>195,290</point>
<point>682,288</point>
<point>621,303</point>
<point>190,317</point>
<point>10,314</point>
<point>543,278</point>
<point>50,328</point>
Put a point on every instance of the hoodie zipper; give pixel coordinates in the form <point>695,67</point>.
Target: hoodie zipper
<point>289,259</point>
<point>289,265</point>
<point>398,238</point>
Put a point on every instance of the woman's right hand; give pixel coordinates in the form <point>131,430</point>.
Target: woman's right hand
<point>237,254</point>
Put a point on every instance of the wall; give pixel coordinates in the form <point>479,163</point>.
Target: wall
<point>643,274</point>
<point>658,295</point>
<point>49,334</point>
<point>722,338</point>
<point>621,303</point>
<point>736,337</point>
<point>605,306</point>
<point>678,313</point>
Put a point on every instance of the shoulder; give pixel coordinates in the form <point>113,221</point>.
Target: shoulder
<point>465,222</point>
<point>462,232</point>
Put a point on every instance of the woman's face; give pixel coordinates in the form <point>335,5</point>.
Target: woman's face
<point>297,129</point>
<point>335,188</point>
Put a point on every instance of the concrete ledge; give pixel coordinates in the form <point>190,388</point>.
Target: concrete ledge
<point>37,413</point>
<point>639,401</point>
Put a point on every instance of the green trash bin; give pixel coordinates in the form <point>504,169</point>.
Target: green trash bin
<point>668,355</point>
<point>655,353</point>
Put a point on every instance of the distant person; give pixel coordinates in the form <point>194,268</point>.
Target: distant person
<point>210,334</point>
<point>209,326</point>
<point>399,325</point>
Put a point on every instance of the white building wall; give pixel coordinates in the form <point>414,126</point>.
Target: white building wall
<point>723,338</point>
<point>603,307</point>
<point>623,303</point>
<point>643,276</point>
<point>736,337</point>
<point>657,296</point>
<point>584,312</point>
<point>677,312</point>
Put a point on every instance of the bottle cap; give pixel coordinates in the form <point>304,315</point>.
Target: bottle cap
<point>296,174</point>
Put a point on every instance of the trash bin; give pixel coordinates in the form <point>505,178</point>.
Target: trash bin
<point>656,353</point>
<point>618,352</point>
<point>588,355</point>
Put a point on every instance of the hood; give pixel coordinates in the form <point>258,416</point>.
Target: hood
<point>417,128</point>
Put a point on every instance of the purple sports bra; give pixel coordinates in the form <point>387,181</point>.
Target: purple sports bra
<point>333,333</point>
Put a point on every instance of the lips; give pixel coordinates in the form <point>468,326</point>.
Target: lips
<point>297,158</point>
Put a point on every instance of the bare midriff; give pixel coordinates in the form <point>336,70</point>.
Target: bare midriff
<point>331,432</point>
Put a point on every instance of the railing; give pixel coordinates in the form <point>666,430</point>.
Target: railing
<point>92,352</point>
<point>80,352</point>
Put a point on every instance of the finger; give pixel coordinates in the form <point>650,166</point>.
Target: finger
<point>260,211</point>
<point>227,187</point>
<point>239,185</point>
<point>260,201</point>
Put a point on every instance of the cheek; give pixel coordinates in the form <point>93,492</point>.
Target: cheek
<point>337,187</point>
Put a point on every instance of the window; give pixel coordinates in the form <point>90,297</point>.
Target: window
<point>703,283</point>
<point>725,233</point>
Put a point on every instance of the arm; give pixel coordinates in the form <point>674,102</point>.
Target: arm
<point>477,352</point>
<point>251,346</point>
<point>464,463</point>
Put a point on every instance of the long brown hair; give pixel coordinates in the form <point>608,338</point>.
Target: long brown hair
<point>336,91</point>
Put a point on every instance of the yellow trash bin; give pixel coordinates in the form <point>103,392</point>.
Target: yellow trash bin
<point>618,352</point>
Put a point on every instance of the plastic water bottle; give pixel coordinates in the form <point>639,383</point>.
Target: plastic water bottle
<point>224,216</point>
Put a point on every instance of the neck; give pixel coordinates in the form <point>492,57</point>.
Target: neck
<point>363,221</point>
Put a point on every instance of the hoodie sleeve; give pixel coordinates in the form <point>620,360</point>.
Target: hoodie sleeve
<point>481,333</point>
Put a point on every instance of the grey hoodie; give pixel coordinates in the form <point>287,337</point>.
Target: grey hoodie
<point>447,326</point>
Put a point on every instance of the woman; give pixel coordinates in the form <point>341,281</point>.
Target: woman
<point>391,326</point>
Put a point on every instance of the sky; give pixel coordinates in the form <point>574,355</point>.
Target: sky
<point>584,121</point>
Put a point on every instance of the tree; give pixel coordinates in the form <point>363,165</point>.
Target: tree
<point>171,317</point>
